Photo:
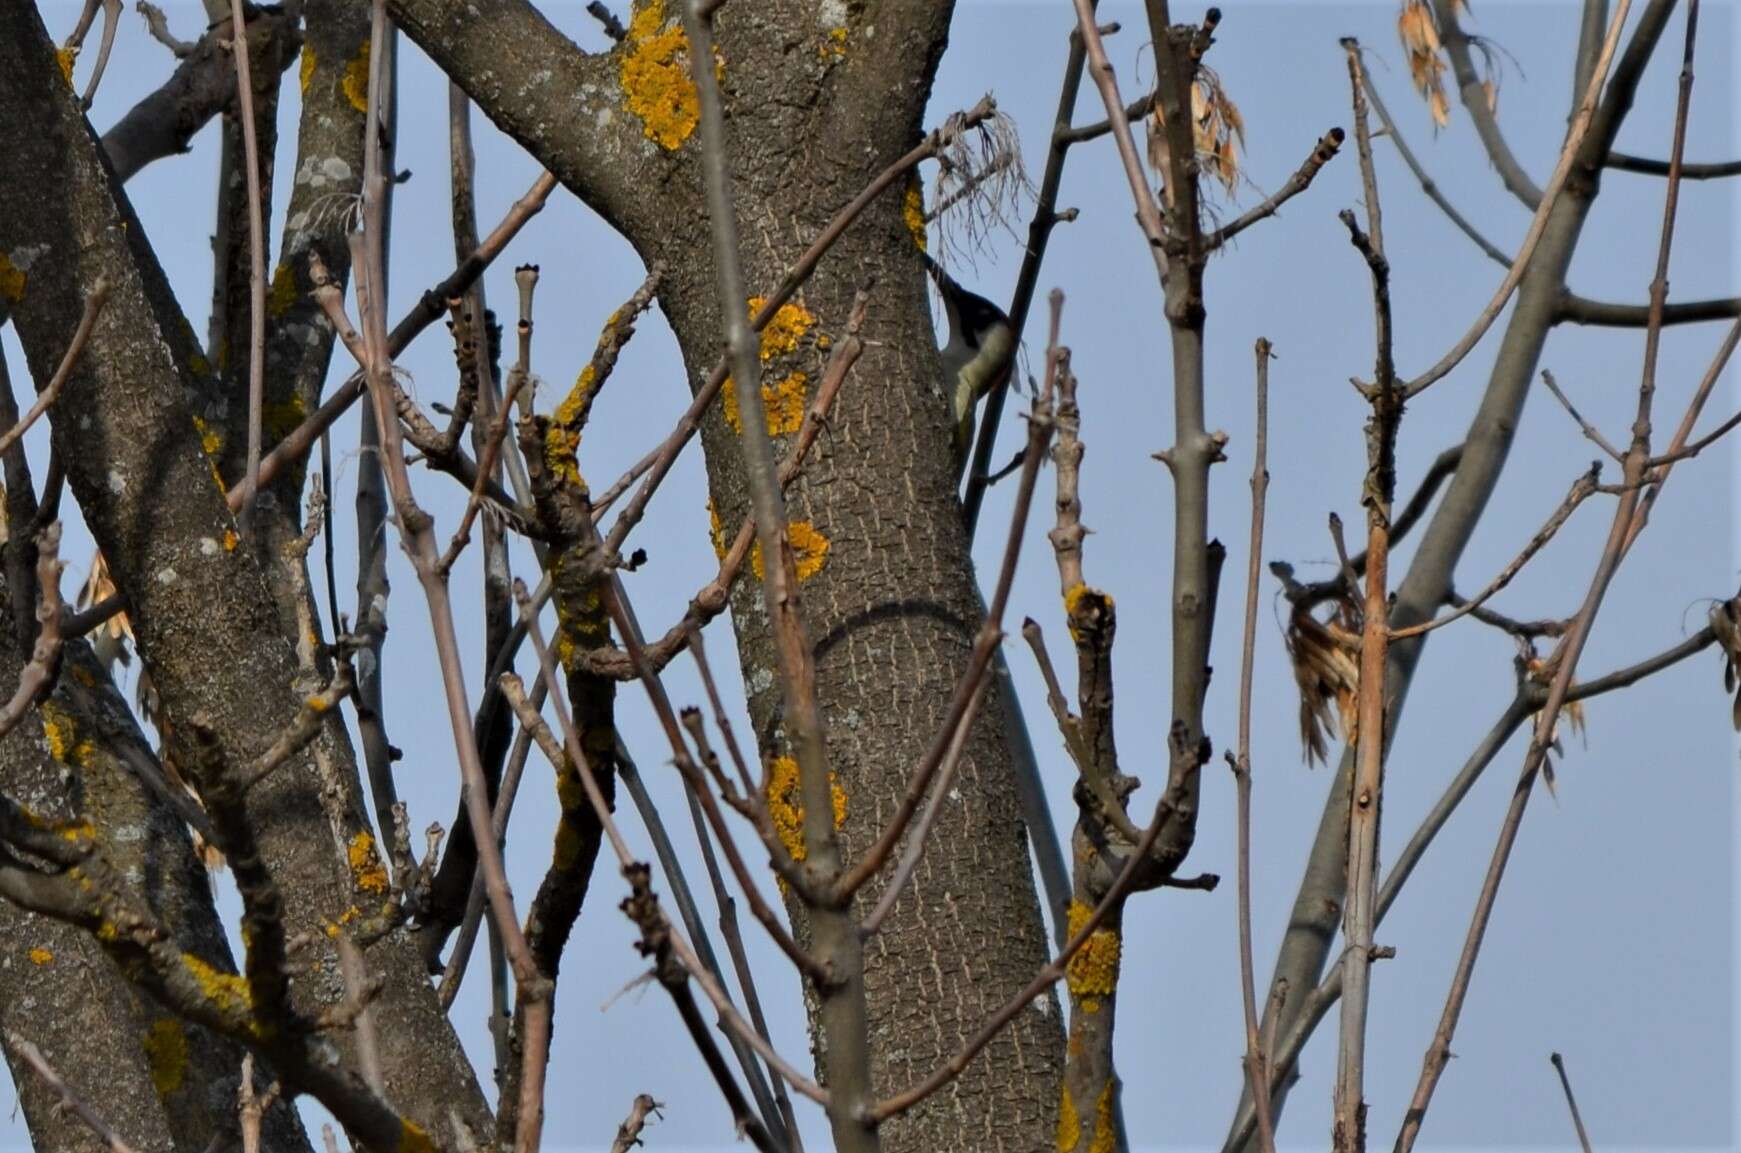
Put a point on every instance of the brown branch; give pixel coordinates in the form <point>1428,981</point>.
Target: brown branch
<point>841,1014</point>
<point>428,309</point>
<point>1559,1064</point>
<point>1574,144</point>
<point>1581,489</point>
<point>99,296</point>
<point>1256,1061</point>
<point>1322,153</point>
<point>629,1132</point>
<point>1348,1132</point>
<point>38,677</point>
<point>569,745</point>
<point>71,1101</point>
<point>1427,183</point>
<point>256,260</point>
<point>1590,431</point>
<point>1565,659</point>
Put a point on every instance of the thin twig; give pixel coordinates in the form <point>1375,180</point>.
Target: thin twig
<point>69,360</point>
<point>1590,431</point>
<point>38,676</point>
<point>429,308</point>
<point>1256,1060</point>
<point>1559,1064</point>
<point>256,262</point>
<point>1565,658</point>
<point>1538,226</point>
<point>1581,489</point>
<point>73,1102</point>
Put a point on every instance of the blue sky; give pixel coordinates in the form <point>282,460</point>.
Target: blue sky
<point>1613,940</point>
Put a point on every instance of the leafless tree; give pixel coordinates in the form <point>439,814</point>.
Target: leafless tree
<point>873,689</point>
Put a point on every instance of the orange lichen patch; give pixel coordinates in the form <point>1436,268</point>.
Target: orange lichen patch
<point>356,81</point>
<point>165,1046</point>
<point>61,732</point>
<point>780,336</point>
<point>715,530</point>
<point>833,44</point>
<point>655,76</point>
<point>66,57</point>
<point>1069,1125</point>
<point>345,918</point>
<point>782,404</point>
<point>306,71</point>
<point>1105,1134</point>
<point>1082,599</point>
<point>211,441</point>
<point>231,540</point>
<point>283,294</point>
<point>1093,971</point>
<point>562,437</point>
<point>12,280</point>
<point>810,547</point>
<point>412,1139</point>
<point>913,212</point>
<point>786,806</point>
<point>366,867</point>
<point>226,991</point>
<point>40,956</point>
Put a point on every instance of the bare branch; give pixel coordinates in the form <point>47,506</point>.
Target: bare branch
<point>73,1102</point>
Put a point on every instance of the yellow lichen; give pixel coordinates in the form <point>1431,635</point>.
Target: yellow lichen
<point>562,437</point>
<point>786,806</point>
<point>231,540</point>
<point>40,956</point>
<point>784,329</point>
<point>61,732</point>
<point>211,441</point>
<point>356,81</point>
<point>366,867</point>
<point>655,76</point>
<point>66,57</point>
<point>1093,971</point>
<point>12,280</point>
<point>283,295</point>
<point>166,1055</point>
<point>307,70</point>
<point>782,404</point>
<point>1105,1135</point>
<point>833,44</point>
<point>1069,1125</point>
<point>715,530</point>
<point>412,1139</point>
<point>913,212</point>
<point>810,549</point>
<point>226,991</point>
<point>1074,597</point>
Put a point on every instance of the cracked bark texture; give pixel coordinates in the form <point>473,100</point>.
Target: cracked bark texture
<point>893,608</point>
<point>211,620</point>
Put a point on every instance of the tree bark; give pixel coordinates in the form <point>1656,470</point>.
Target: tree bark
<point>208,618</point>
<point>814,113</point>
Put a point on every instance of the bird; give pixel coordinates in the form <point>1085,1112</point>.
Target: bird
<point>977,359</point>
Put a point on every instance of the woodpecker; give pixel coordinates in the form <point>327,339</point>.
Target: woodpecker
<point>978,357</point>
